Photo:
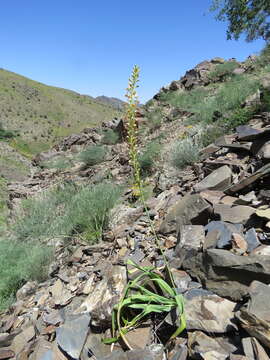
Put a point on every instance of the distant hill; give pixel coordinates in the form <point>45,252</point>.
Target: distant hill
<point>43,114</point>
<point>112,101</point>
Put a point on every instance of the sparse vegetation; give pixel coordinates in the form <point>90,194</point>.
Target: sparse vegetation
<point>184,152</point>
<point>60,163</point>
<point>110,137</point>
<point>19,263</point>
<point>93,155</point>
<point>223,71</point>
<point>3,204</point>
<point>67,209</point>
<point>154,119</point>
<point>148,157</point>
<point>44,114</point>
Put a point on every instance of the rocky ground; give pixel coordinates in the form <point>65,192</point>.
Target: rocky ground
<point>213,224</point>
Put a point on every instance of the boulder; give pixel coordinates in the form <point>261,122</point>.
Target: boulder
<point>219,179</point>
<point>234,214</point>
<point>208,312</point>
<point>71,336</point>
<point>255,318</point>
<point>227,274</point>
<point>202,346</point>
<point>191,209</point>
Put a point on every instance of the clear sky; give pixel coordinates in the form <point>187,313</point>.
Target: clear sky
<point>90,46</point>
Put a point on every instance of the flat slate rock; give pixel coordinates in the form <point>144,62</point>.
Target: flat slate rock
<point>72,335</point>
<point>227,274</point>
<point>219,234</point>
<point>246,132</point>
<point>191,209</point>
<point>219,179</point>
<point>234,214</point>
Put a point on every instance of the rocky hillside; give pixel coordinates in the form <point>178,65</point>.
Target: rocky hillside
<point>74,225</point>
<point>112,101</point>
<point>41,114</point>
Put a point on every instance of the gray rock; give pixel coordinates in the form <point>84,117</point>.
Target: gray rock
<point>245,183</point>
<point>72,335</point>
<point>191,209</point>
<point>234,214</point>
<point>105,295</point>
<point>253,350</point>
<point>259,304</point>
<point>191,237</point>
<point>145,354</point>
<point>264,152</point>
<point>202,346</point>
<point>223,233</point>
<point>226,274</point>
<point>252,240</point>
<point>219,179</point>
<point>247,133</point>
<point>208,312</point>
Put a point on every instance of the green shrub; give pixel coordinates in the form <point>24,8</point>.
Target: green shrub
<point>45,216</point>
<point>6,134</point>
<point>65,210</point>
<point>3,204</point>
<point>187,100</point>
<point>19,263</point>
<point>184,152</point>
<point>90,207</point>
<point>60,163</point>
<point>223,70</point>
<point>150,154</point>
<point>239,117</point>
<point>154,119</point>
<point>266,101</point>
<point>110,137</point>
<point>264,57</point>
<point>93,155</point>
<point>204,102</point>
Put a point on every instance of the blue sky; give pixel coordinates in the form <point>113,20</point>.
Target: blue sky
<point>90,46</point>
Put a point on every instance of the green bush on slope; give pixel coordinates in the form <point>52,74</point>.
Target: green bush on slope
<point>65,210</point>
<point>110,137</point>
<point>150,154</point>
<point>93,155</point>
<point>21,262</point>
<point>223,70</point>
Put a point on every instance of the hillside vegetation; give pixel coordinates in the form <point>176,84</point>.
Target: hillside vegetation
<point>39,115</point>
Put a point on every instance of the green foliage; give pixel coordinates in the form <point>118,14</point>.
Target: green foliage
<point>150,154</point>
<point>244,17</point>
<point>184,152</point>
<point>93,155</point>
<point>266,101</point>
<point>3,204</point>
<point>90,207</point>
<point>229,96</point>
<point>210,134</point>
<point>146,295</point>
<point>60,163</point>
<point>110,137</point>
<point>188,100</point>
<point>6,134</point>
<point>154,119</point>
<point>20,262</point>
<point>239,117</point>
<point>67,209</point>
<point>223,70</point>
